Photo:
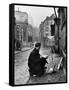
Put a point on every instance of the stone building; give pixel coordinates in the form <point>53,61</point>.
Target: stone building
<point>62,29</point>
<point>21,23</point>
<point>61,34</point>
<point>47,25</point>
<point>45,29</point>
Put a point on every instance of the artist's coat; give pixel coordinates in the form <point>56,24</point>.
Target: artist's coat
<point>35,63</point>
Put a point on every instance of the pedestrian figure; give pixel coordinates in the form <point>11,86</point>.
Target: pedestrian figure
<point>36,63</point>
<point>18,45</point>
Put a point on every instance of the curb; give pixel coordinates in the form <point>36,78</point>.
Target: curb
<point>23,51</point>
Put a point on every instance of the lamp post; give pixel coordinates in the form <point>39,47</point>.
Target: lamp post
<point>57,22</point>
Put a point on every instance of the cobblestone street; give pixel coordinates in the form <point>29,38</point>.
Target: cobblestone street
<point>22,74</point>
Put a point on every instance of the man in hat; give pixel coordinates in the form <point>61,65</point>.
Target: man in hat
<point>35,62</point>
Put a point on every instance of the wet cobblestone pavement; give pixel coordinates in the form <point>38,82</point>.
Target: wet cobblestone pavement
<point>22,74</point>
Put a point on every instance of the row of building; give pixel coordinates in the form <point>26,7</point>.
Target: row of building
<point>56,29</point>
<point>47,30</point>
<point>23,30</point>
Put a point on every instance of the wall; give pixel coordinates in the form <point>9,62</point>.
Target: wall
<point>62,29</point>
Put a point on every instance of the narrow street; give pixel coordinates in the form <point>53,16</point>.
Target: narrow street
<point>47,26</point>
<point>22,74</point>
<point>21,67</point>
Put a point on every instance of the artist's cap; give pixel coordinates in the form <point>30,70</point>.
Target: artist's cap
<point>37,44</point>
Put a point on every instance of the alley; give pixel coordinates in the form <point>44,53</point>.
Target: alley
<point>45,29</point>
<point>21,67</point>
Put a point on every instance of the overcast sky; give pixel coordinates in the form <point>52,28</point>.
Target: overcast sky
<point>36,14</point>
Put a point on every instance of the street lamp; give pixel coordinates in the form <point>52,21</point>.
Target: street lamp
<point>57,22</point>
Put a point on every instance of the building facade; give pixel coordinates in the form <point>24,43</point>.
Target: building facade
<point>45,29</point>
<point>62,29</point>
<point>21,23</point>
